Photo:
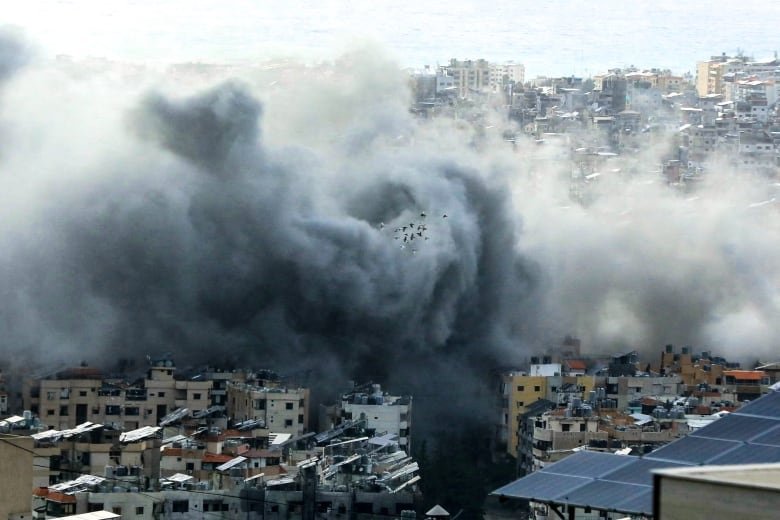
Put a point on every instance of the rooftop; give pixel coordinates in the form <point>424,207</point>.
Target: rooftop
<point>624,484</point>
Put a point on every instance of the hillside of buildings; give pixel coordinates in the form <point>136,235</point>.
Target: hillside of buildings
<point>437,234</point>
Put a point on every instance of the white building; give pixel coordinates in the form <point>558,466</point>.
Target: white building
<point>281,410</point>
<point>383,413</point>
<point>504,73</point>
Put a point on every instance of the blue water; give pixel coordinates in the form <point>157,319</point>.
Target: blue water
<point>551,37</point>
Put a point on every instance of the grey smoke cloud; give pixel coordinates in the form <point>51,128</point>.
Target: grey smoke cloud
<point>241,222</point>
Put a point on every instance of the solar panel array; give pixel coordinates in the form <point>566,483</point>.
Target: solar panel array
<point>625,484</point>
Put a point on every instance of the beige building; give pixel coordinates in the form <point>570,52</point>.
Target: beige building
<point>521,389</point>
<point>16,459</point>
<point>501,74</point>
<point>469,76</point>
<point>81,394</point>
<point>717,492</point>
<point>711,74</point>
<point>558,433</point>
<point>280,410</point>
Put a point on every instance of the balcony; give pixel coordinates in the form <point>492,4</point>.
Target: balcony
<point>541,434</point>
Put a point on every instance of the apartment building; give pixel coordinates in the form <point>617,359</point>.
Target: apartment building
<point>278,409</point>
<point>82,394</point>
<point>469,76</point>
<point>503,74</point>
<point>380,412</point>
<point>520,390</point>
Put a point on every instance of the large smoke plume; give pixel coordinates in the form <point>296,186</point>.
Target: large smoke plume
<point>252,220</point>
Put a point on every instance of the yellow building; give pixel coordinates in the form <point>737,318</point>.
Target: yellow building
<point>520,390</point>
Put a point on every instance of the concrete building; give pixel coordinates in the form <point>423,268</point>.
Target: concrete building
<point>278,409</point>
<point>503,74</point>
<point>589,484</point>
<point>82,394</point>
<point>470,77</point>
<point>16,458</point>
<point>749,491</point>
<point>383,413</point>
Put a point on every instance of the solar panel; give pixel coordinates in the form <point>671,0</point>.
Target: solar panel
<point>542,486</point>
<point>624,484</point>
<point>735,427</point>
<point>693,450</point>
<point>767,406</point>
<point>771,437</point>
<point>749,454</point>
<point>600,494</point>
<point>638,472</point>
<point>640,501</point>
<point>591,464</point>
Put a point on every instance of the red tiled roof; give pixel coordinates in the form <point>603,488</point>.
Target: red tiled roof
<point>216,457</point>
<point>171,452</point>
<point>745,375</point>
<point>262,454</point>
<point>61,498</point>
<point>576,364</point>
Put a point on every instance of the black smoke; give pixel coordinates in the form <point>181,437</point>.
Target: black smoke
<point>252,222</point>
<point>184,232</point>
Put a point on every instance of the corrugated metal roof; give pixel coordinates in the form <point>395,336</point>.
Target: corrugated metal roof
<point>139,434</point>
<point>231,463</point>
<point>93,515</point>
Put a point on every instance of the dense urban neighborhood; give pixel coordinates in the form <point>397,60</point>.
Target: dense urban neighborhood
<point>563,430</point>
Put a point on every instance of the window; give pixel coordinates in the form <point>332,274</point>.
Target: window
<point>196,397</point>
<point>537,388</point>
<point>180,506</point>
<point>160,394</point>
<point>566,427</point>
<point>132,410</point>
<point>288,406</point>
<point>112,409</point>
<point>82,393</point>
<point>63,410</point>
<point>51,396</point>
<point>300,419</point>
<point>520,388</point>
<point>116,510</point>
<point>520,404</point>
<point>139,510</point>
<point>583,427</point>
<point>190,466</point>
<point>50,412</point>
<point>288,422</point>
